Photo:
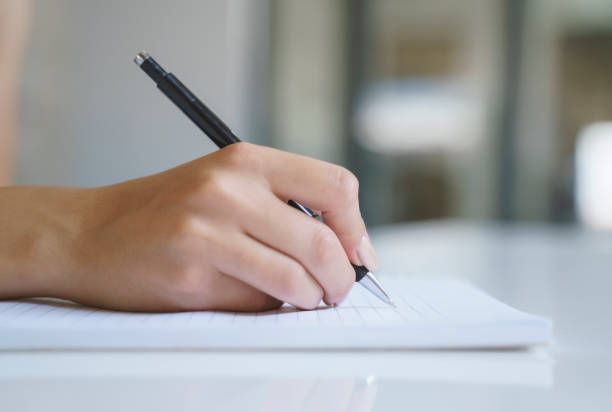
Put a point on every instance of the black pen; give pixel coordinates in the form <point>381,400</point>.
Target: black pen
<point>222,136</point>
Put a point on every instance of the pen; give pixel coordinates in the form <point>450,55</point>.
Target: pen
<point>222,136</point>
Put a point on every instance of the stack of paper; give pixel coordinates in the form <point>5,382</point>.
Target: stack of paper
<point>429,314</point>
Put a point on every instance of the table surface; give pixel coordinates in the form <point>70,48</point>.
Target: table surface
<point>564,273</point>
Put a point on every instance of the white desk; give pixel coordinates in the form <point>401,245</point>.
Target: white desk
<point>563,273</point>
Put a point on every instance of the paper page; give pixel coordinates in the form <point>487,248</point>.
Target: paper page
<point>428,314</point>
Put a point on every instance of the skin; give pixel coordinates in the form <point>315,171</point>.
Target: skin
<point>214,233</point>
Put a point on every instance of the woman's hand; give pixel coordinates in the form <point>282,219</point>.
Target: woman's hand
<point>215,233</point>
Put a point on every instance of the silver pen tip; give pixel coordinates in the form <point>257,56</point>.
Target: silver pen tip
<point>141,57</point>
<point>372,284</point>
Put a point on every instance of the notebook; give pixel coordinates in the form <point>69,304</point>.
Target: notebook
<point>428,314</point>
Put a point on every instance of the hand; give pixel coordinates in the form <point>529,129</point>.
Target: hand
<point>215,233</point>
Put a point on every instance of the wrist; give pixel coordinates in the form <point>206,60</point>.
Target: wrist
<point>41,226</point>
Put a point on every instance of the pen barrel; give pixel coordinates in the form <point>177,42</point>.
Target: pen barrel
<point>196,111</point>
<point>187,102</point>
<point>153,69</point>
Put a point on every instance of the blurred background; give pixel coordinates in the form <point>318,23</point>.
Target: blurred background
<point>479,109</point>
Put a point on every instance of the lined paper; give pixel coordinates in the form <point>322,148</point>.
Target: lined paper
<point>428,314</point>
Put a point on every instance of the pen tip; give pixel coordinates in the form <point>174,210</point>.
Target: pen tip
<point>370,282</point>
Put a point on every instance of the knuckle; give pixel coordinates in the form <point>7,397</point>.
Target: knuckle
<point>347,184</point>
<point>187,224</point>
<point>213,189</point>
<point>323,244</point>
<point>210,184</point>
<point>240,154</point>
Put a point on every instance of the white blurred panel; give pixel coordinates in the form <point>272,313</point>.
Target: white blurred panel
<point>418,117</point>
<point>594,175</point>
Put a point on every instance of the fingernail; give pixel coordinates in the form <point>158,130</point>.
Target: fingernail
<point>366,254</point>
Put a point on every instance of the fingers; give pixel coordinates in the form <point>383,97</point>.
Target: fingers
<point>318,185</point>
<point>268,270</point>
<point>306,240</point>
<point>231,294</point>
